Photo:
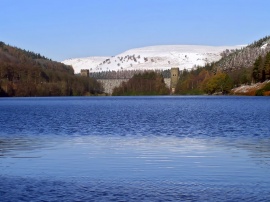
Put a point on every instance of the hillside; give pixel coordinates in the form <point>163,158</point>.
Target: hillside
<point>153,58</point>
<point>242,67</point>
<point>84,63</point>
<point>245,57</point>
<point>25,73</point>
<point>14,56</point>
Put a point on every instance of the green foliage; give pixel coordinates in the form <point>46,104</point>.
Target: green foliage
<point>259,92</point>
<point>147,83</point>
<point>24,73</point>
<point>257,67</point>
<point>261,68</point>
<point>190,82</point>
<point>219,83</point>
<point>267,87</point>
<point>240,76</point>
<point>206,80</point>
<point>262,91</point>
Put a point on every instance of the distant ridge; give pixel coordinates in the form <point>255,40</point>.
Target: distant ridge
<point>153,57</point>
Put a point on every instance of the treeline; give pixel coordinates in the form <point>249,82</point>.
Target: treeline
<point>260,42</point>
<point>18,51</point>
<point>125,74</point>
<point>24,73</point>
<point>147,83</point>
<point>203,80</point>
<point>261,68</point>
<point>244,57</point>
<point>211,79</point>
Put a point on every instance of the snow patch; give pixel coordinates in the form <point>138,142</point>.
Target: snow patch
<point>152,57</point>
<point>84,63</point>
<point>264,46</point>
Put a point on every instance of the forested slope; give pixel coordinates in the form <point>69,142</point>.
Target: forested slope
<point>247,65</point>
<point>25,73</point>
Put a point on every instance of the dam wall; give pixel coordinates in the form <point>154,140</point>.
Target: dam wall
<point>110,84</point>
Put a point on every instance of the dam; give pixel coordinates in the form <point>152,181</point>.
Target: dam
<point>110,84</point>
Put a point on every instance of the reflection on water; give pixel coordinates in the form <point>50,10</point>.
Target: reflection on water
<point>145,168</point>
<point>124,149</point>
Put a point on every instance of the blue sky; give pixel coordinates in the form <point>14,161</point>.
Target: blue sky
<point>62,29</point>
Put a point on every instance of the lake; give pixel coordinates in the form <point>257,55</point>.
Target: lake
<point>169,148</point>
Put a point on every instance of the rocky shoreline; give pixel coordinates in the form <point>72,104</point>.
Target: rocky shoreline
<point>252,89</point>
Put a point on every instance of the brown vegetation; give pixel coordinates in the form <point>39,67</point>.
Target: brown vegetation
<point>253,89</point>
<point>24,73</point>
<point>147,83</point>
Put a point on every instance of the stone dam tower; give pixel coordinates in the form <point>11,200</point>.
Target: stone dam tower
<point>85,72</point>
<point>174,78</point>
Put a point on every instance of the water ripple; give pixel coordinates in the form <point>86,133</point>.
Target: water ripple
<point>135,149</point>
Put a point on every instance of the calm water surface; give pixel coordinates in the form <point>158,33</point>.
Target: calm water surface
<point>135,149</point>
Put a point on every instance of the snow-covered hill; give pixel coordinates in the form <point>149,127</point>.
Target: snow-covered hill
<point>84,63</point>
<point>152,57</point>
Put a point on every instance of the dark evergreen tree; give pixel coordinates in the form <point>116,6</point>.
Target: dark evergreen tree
<point>257,68</point>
